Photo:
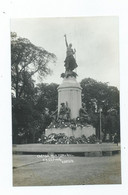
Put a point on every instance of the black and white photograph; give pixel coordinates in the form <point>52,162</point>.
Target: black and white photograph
<point>65,101</point>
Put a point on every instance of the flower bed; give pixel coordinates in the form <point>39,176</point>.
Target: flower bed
<point>61,138</point>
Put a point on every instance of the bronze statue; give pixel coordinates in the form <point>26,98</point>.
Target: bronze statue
<point>70,62</point>
<point>64,113</point>
<point>83,114</point>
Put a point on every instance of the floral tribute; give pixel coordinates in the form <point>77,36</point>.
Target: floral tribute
<point>61,138</point>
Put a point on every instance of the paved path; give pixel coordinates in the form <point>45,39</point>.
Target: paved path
<point>40,170</point>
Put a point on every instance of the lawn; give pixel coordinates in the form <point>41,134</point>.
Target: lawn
<point>40,170</point>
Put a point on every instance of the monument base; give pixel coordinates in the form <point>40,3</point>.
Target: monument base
<point>70,92</point>
<point>78,132</point>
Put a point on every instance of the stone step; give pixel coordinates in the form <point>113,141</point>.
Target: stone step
<point>74,149</point>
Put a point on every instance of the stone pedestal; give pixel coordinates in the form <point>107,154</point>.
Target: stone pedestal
<point>70,91</point>
<point>78,132</point>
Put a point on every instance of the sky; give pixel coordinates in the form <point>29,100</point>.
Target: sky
<point>96,40</point>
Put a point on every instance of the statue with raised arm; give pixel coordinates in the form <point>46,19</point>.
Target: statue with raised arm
<point>70,62</point>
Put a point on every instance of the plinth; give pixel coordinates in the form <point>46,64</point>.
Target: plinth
<point>70,91</point>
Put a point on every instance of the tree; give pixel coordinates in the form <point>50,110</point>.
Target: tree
<point>26,61</point>
<point>47,96</point>
<point>98,95</point>
<point>30,118</point>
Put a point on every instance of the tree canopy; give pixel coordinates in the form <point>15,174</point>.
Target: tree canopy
<point>98,95</point>
<point>26,61</point>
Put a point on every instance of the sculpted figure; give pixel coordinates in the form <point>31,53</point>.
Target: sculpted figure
<point>83,113</point>
<point>68,112</point>
<point>70,62</point>
<point>64,113</point>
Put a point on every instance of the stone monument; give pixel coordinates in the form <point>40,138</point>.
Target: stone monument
<point>72,119</point>
<point>70,91</point>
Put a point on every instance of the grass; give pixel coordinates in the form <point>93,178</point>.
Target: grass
<point>66,171</point>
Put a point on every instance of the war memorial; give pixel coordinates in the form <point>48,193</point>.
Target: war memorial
<point>70,122</point>
<point>64,124</point>
<point>69,151</point>
<point>72,118</point>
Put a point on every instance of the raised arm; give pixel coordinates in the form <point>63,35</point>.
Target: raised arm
<point>74,51</point>
<point>66,41</point>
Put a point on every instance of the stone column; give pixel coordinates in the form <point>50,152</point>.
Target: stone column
<point>70,91</point>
